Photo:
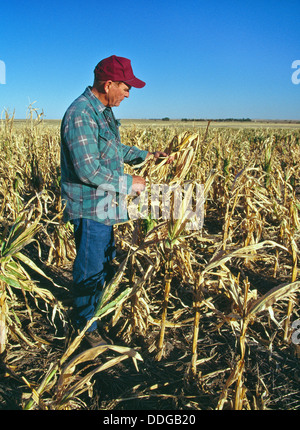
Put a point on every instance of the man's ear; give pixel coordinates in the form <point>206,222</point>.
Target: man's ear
<point>107,86</point>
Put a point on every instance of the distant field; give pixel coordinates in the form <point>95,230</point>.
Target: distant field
<point>187,124</point>
<point>215,124</point>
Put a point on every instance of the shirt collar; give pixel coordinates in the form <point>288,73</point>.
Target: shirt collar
<point>98,106</point>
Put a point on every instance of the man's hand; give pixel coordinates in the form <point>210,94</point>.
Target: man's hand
<point>161,154</point>
<point>138,184</point>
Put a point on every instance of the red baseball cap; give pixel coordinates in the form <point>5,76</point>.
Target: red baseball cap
<point>117,69</point>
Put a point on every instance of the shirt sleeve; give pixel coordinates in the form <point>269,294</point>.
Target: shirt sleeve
<point>132,154</point>
<point>81,138</point>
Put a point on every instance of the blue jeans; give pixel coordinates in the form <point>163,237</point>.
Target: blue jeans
<point>95,249</point>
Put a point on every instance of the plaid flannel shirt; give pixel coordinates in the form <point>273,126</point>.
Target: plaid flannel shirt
<point>92,161</point>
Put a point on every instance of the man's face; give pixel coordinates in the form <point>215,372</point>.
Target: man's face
<point>116,93</point>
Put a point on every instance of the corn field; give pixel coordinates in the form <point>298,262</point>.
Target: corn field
<point>201,318</point>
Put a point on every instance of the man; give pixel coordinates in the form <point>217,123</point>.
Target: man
<point>92,164</point>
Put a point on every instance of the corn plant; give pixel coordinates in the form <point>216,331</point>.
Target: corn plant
<point>13,263</point>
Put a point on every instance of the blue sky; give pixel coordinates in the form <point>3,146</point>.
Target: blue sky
<point>199,59</point>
